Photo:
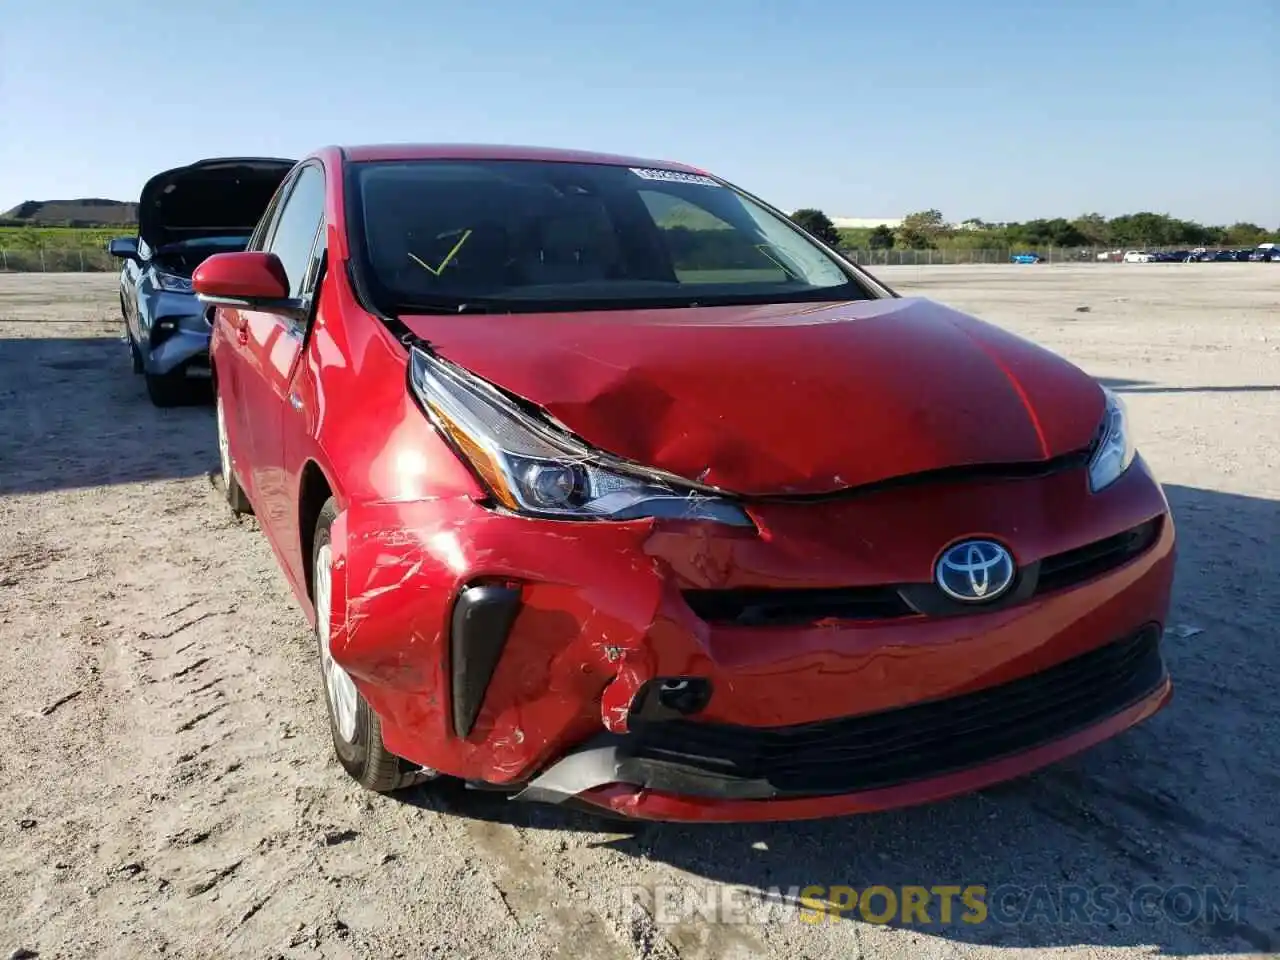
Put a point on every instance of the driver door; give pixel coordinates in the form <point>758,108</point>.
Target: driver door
<point>272,346</point>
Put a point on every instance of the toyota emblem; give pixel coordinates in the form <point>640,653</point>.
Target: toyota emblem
<point>975,571</point>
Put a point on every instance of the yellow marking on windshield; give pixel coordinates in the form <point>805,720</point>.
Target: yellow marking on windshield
<point>764,248</point>
<point>436,271</point>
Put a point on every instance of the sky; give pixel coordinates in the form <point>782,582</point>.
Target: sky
<point>991,109</point>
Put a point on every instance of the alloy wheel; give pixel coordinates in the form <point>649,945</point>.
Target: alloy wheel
<point>339,688</point>
<point>224,448</point>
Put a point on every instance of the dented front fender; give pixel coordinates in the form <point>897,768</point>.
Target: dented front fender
<point>574,658</point>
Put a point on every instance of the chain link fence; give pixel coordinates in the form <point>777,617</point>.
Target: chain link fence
<point>57,260</point>
<point>959,256</point>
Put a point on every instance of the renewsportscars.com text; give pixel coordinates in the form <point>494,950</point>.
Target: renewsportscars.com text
<point>944,904</point>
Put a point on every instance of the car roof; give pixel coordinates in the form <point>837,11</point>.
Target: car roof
<point>494,151</point>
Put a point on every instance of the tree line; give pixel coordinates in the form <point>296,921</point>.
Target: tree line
<point>929,230</point>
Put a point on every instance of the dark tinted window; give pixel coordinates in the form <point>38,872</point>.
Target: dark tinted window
<point>539,235</point>
<point>295,230</point>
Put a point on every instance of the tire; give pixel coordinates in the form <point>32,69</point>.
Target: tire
<point>354,728</point>
<point>126,335</point>
<point>232,490</point>
<point>168,390</point>
<point>135,355</point>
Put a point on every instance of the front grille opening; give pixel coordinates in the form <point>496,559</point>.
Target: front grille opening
<point>763,607</point>
<point>768,607</point>
<point>1075,566</point>
<point>922,740</point>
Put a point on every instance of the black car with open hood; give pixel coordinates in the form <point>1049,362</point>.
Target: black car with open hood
<point>219,196</point>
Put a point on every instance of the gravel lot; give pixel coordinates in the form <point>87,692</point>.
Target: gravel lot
<point>167,787</point>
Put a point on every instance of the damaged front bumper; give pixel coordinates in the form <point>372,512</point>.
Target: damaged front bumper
<point>175,335</point>
<point>915,754</point>
<point>633,665</point>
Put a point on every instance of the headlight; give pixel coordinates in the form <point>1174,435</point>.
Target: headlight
<point>532,468</point>
<point>172,282</point>
<point>1115,449</point>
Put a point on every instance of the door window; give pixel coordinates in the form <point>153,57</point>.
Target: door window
<point>257,239</point>
<point>294,233</point>
<point>313,266</point>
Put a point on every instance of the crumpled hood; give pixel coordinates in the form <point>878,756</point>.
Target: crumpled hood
<point>208,198</point>
<point>788,398</point>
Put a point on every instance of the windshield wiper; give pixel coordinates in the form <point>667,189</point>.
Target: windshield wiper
<point>444,307</point>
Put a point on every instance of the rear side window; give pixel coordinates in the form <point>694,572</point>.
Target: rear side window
<point>295,230</point>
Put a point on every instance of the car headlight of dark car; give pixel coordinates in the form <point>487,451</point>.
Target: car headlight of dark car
<point>1115,450</point>
<point>535,468</point>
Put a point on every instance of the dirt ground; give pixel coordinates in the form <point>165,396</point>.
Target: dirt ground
<point>166,786</point>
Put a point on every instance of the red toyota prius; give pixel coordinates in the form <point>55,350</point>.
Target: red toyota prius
<point>603,483</point>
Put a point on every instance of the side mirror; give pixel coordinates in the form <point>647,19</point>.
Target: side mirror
<point>126,248</point>
<point>249,279</point>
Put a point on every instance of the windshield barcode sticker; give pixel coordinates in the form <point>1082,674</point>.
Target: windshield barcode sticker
<point>673,176</point>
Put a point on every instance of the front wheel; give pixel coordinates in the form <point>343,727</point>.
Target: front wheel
<point>231,488</point>
<point>355,728</point>
<point>169,389</point>
<point>135,355</point>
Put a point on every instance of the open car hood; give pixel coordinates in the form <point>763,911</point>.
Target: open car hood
<point>785,399</point>
<point>213,197</point>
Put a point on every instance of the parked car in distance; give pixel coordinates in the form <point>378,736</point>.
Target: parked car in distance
<point>1265,253</point>
<point>1026,258</point>
<point>1137,256</point>
<point>184,215</point>
<point>599,509</point>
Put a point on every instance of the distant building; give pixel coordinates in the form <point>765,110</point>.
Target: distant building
<point>870,223</point>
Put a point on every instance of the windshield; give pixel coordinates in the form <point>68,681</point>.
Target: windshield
<point>526,235</point>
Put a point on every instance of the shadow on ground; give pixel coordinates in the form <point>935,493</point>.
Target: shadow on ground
<point>72,414</point>
<point>1145,386</point>
<point>1163,837</point>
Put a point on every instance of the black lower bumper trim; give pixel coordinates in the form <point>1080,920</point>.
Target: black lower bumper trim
<point>609,759</point>
<point>868,751</point>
